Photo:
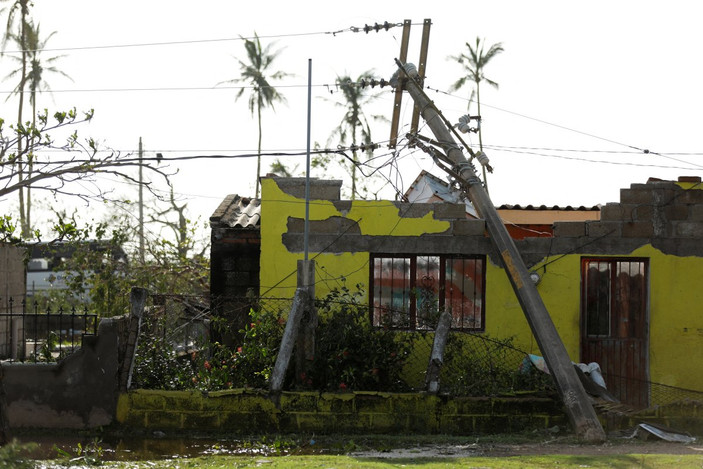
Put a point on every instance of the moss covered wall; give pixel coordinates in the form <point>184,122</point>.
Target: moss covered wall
<point>251,412</point>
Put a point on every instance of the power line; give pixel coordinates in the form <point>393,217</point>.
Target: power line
<point>168,88</point>
<point>645,151</point>
<point>353,29</point>
<point>618,163</point>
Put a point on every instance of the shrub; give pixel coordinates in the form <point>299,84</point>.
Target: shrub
<point>353,354</point>
<point>248,365</point>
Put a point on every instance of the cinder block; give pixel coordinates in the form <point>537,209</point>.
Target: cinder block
<point>640,212</point>
<point>147,400</point>
<point>299,402</point>
<point>615,211</point>
<point>336,402</point>
<point>372,403</point>
<point>408,210</point>
<point>688,229</point>
<point>197,420</point>
<point>636,194</point>
<point>413,403</point>
<point>163,420</point>
<point>469,406</point>
<point>492,424</point>
<point>569,229</point>
<point>638,229</point>
<point>295,225</point>
<point>319,189</point>
<point>457,424</point>
<point>445,211</point>
<point>690,196</point>
<point>599,229</point>
<point>679,212</point>
<point>695,213</point>
<point>239,278</point>
<point>469,227</point>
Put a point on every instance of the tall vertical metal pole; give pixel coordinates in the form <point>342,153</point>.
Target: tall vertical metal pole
<point>141,205</point>
<point>577,403</point>
<point>307,165</point>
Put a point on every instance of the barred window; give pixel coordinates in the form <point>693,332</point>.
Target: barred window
<point>409,291</point>
<point>614,297</point>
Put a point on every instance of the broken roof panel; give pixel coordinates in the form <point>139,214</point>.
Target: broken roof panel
<point>237,212</point>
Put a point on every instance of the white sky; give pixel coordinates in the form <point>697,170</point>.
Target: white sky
<point>584,86</point>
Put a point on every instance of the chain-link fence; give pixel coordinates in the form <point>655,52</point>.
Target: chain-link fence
<point>184,346</point>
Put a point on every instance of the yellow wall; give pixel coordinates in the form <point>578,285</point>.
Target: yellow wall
<point>676,290</point>
<point>278,266</point>
<point>675,319</point>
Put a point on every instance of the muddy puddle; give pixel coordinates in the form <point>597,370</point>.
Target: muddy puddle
<point>162,447</point>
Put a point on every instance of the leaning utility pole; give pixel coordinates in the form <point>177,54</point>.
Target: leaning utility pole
<point>578,405</point>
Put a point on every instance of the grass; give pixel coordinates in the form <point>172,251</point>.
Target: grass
<point>373,451</point>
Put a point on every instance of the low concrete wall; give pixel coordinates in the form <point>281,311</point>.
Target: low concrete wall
<point>251,412</point>
<point>682,416</point>
<point>80,392</point>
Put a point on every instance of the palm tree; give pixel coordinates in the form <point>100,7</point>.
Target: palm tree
<point>34,80</point>
<point>474,62</point>
<point>354,127</point>
<point>256,71</point>
<point>21,6</point>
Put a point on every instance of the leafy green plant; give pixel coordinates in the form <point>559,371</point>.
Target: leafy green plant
<point>247,365</point>
<point>353,354</point>
<point>12,455</point>
<point>90,454</point>
<point>477,365</point>
<point>157,363</point>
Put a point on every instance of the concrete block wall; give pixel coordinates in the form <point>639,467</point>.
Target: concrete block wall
<point>13,282</point>
<point>250,412</point>
<point>661,212</point>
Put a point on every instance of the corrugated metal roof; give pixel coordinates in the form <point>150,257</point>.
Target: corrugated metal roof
<point>237,212</point>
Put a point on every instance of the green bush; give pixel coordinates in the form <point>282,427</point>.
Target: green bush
<point>350,354</point>
<point>353,354</point>
<point>157,363</point>
<point>247,365</point>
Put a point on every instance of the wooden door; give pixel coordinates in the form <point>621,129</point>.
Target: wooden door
<point>614,328</point>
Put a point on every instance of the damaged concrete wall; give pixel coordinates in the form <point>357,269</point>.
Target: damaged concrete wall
<point>661,221</point>
<point>77,393</point>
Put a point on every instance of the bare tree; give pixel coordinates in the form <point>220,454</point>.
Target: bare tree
<point>79,160</point>
<point>182,229</point>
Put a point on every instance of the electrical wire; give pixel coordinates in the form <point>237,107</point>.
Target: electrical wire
<point>352,29</point>
<point>588,160</point>
<point>645,151</point>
